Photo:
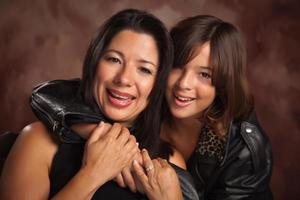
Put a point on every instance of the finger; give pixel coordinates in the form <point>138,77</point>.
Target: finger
<point>156,163</point>
<point>131,149</point>
<point>148,165</point>
<point>120,181</point>
<point>114,130</point>
<point>128,179</point>
<point>140,158</point>
<point>156,169</point>
<point>97,133</point>
<point>164,163</point>
<point>138,184</point>
<point>123,136</point>
<point>130,143</point>
<point>141,176</point>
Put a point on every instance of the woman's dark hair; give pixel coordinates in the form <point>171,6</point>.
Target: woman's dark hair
<point>147,125</point>
<point>228,61</point>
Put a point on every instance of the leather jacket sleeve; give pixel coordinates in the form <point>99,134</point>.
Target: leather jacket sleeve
<point>58,104</point>
<point>186,183</point>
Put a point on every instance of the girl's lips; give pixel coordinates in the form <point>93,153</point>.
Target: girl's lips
<point>182,101</point>
<point>119,99</point>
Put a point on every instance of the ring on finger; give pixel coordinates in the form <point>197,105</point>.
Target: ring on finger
<point>149,168</point>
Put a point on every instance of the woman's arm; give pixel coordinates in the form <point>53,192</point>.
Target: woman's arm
<point>84,130</point>
<point>26,172</point>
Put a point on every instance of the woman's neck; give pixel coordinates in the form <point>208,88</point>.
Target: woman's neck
<point>183,134</point>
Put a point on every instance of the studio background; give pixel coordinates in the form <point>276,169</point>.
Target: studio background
<point>46,39</point>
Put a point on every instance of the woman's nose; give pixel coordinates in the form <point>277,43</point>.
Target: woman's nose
<point>124,77</point>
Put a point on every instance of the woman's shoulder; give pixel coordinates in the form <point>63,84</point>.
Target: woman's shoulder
<point>35,138</point>
<point>29,161</point>
<point>37,131</point>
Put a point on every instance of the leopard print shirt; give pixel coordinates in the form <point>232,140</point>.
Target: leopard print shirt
<point>210,144</point>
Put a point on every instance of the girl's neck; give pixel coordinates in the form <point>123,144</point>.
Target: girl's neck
<point>186,127</point>
<point>183,134</point>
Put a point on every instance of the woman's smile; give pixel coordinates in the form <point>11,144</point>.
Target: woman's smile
<point>119,99</point>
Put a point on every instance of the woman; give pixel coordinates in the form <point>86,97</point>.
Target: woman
<point>131,51</point>
<point>210,119</point>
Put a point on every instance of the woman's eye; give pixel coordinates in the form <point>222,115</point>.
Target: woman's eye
<point>113,60</point>
<point>145,70</point>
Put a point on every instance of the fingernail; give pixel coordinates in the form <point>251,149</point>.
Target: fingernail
<point>135,162</point>
<point>137,144</point>
<point>101,123</point>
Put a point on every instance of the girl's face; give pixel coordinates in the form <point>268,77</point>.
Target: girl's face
<point>125,75</point>
<point>190,90</point>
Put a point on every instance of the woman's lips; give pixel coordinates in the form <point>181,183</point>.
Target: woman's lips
<point>182,101</point>
<point>119,99</point>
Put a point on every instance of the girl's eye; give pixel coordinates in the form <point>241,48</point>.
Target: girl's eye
<point>145,70</point>
<point>113,60</point>
<point>205,75</point>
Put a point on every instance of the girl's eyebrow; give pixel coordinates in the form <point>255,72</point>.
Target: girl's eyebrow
<point>205,67</point>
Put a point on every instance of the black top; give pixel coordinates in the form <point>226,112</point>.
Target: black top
<point>67,162</point>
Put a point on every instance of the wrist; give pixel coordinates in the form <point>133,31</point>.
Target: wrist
<point>92,179</point>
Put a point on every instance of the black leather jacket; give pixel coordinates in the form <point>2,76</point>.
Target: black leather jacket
<point>59,105</point>
<point>244,172</point>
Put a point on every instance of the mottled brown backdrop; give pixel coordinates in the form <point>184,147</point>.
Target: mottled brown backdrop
<point>46,39</point>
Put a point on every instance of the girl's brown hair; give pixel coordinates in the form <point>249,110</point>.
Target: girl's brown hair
<point>228,60</point>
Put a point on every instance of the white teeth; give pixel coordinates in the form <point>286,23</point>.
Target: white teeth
<point>119,97</point>
<point>183,98</point>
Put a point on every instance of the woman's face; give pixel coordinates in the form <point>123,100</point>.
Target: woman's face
<point>125,75</point>
<point>190,90</point>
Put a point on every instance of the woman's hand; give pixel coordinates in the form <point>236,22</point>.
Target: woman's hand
<point>108,150</point>
<point>159,179</point>
<point>127,177</point>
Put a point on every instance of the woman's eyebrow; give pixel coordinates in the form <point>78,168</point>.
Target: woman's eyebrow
<point>114,51</point>
<point>147,61</point>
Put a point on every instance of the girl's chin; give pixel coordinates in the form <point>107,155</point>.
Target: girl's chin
<point>184,114</point>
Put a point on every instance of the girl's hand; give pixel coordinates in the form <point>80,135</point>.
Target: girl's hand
<point>158,178</point>
<point>108,150</point>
